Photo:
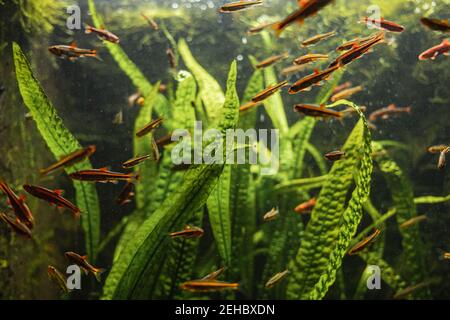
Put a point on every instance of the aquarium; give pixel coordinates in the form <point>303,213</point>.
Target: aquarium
<point>218,150</point>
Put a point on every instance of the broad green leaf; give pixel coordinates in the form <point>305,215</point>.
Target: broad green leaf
<point>60,142</point>
<point>333,225</point>
<point>220,216</point>
<point>140,257</point>
<point>210,91</point>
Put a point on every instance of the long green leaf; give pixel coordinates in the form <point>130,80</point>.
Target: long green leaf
<point>60,142</point>
<point>141,254</point>
<point>332,226</point>
<point>210,91</point>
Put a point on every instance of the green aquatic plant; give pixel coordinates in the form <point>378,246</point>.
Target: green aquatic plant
<point>60,142</point>
<point>139,257</point>
<point>319,257</point>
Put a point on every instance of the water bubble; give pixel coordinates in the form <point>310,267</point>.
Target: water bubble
<point>244,40</point>
<point>175,5</point>
<point>240,57</point>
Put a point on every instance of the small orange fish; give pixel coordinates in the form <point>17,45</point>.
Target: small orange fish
<point>358,51</point>
<point>342,87</point>
<point>103,34</point>
<point>318,38</point>
<point>70,159</point>
<point>23,213</point>
<point>347,93</point>
<point>259,28</point>
<point>306,206</point>
<point>188,232</point>
<point>292,69</point>
<point>354,43</point>
<point>53,197</point>
<point>271,215</point>
<point>436,24</point>
<point>209,283</point>
<point>384,113</point>
<point>172,59</point>
<point>413,221</point>
<point>102,175</point>
<point>83,263</point>
<point>149,127</point>
<point>317,111</point>
<point>266,93</point>
<point>249,105</point>
<point>57,277</point>
<point>276,279</point>
<point>239,5</point>
<point>272,60</point>
<point>126,194</point>
<point>150,22</point>
<point>19,227</point>
<point>437,149</point>
<point>442,161</point>
<point>383,24</point>
<point>308,58</point>
<point>364,243</point>
<point>135,161</point>
<point>315,78</point>
<point>72,52</point>
<point>334,155</point>
<point>308,9</point>
<point>435,51</point>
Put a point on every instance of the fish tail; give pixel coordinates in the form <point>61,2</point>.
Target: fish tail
<point>87,29</point>
<point>278,28</point>
<point>136,178</point>
<point>97,274</point>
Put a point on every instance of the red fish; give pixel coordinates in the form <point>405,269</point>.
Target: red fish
<point>16,225</point>
<point>383,24</point>
<point>384,113</point>
<point>72,52</point>
<point>102,175</point>
<point>315,78</point>
<point>83,263</point>
<point>19,206</point>
<point>435,51</point>
<point>126,194</point>
<point>103,34</point>
<point>53,197</point>
<point>70,159</point>
<point>308,9</point>
<point>306,206</point>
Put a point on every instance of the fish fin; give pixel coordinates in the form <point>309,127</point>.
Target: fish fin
<point>316,71</point>
<point>8,202</point>
<point>87,29</point>
<point>22,197</point>
<point>104,169</point>
<point>59,192</point>
<point>322,106</point>
<point>97,273</point>
<point>72,59</point>
<point>278,29</point>
<point>408,109</point>
<point>73,44</point>
<point>84,257</point>
<point>445,41</point>
<point>392,106</point>
<point>114,181</point>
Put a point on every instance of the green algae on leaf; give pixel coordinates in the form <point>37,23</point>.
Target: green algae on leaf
<point>60,142</point>
<point>140,255</point>
<point>332,226</point>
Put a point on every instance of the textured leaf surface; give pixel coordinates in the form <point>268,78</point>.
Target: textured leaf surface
<point>332,226</point>
<point>141,255</point>
<point>60,142</point>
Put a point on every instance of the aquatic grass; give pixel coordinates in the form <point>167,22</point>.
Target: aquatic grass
<point>140,256</point>
<point>60,142</point>
<point>332,226</point>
